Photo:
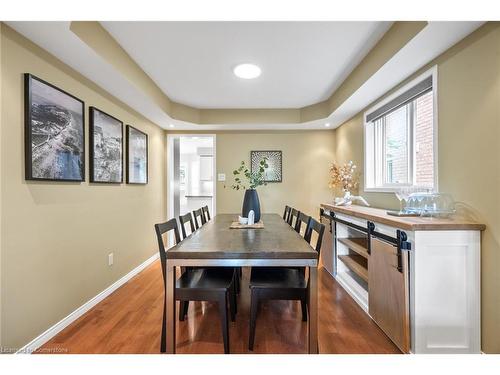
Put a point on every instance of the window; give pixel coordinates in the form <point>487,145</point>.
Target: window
<point>400,137</point>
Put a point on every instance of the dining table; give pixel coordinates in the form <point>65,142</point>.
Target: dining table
<point>215,244</point>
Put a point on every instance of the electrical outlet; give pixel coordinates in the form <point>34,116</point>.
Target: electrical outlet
<point>110,259</point>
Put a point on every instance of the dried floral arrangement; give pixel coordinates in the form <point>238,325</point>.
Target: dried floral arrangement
<point>343,176</point>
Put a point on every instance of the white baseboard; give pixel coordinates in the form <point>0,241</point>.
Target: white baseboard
<point>59,326</point>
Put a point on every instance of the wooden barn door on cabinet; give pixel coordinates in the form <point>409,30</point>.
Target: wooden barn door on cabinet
<point>388,300</point>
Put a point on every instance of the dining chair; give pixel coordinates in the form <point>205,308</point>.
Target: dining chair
<point>281,283</point>
<point>206,213</point>
<point>198,284</point>
<point>184,219</point>
<point>293,214</point>
<point>188,218</point>
<point>199,214</point>
<point>301,219</point>
<point>286,213</point>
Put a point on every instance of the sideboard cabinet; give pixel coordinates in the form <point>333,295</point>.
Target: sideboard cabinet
<point>418,278</point>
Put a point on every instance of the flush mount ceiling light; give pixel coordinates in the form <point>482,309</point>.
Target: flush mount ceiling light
<point>327,124</point>
<point>171,125</point>
<point>246,71</point>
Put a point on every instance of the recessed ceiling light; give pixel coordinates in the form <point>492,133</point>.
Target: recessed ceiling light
<point>247,71</point>
<point>171,125</point>
<point>327,124</point>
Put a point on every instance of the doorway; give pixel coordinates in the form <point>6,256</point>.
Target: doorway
<point>191,173</point>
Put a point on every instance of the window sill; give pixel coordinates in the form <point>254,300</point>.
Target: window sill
<point>383,189</point>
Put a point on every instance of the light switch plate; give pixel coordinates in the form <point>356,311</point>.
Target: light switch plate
<point>221,177</point>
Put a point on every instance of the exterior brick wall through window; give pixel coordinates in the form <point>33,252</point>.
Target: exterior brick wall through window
<point>424,140</point>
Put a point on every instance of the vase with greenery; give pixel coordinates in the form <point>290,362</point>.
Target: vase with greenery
<point>249,181</point>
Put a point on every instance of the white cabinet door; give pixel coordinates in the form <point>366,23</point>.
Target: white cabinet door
<point>446,292</point>
<point>206,168</point>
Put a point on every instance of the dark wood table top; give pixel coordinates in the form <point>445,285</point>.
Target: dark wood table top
<point>214,240</point>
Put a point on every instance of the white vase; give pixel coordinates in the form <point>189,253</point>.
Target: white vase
<point>346,200</point>
<point>251,218</point>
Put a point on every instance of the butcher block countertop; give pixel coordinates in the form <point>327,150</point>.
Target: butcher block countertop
<point>379,215</point>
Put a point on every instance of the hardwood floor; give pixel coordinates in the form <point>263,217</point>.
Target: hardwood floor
<point>129,321</point>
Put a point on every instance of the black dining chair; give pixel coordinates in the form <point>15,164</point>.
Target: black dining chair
<point>286,213</point>
<point>188,218</point>
<point>204,216</point>
<point>301,219</point>
<point>199,214</point>
<point>281,283</point>
<point>293,214</point>
<point>198,284</point>
<point>184,219</point>
<point>206,213</point>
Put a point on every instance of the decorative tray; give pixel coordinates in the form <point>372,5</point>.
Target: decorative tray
<point>237,225</point>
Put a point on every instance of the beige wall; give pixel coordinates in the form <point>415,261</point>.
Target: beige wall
<point>306,158</point>
<point>468,152</point>
<point>57,236</point>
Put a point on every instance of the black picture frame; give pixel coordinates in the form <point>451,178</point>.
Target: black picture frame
<point>92,146</point>
<point>28,131</point>
<point>128,145</point>
<point>256,156</point>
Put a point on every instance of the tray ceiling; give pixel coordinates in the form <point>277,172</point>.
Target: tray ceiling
<point>302,62</point>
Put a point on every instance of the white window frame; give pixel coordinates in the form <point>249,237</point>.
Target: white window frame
<point>369,163</point>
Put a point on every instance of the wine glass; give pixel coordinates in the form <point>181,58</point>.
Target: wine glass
<point>421,196</point>
<point>402,194</point>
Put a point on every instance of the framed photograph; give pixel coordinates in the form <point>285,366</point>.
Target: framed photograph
<point>106,147</point>
<point>274,172</point>
<point>137,156</point>
<point>54,132</point>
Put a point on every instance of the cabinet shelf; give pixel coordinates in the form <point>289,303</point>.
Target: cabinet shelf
<point>357,264</point>
<point>358,245</point>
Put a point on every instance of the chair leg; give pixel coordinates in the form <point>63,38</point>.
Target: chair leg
<point>183,308</point>
<point>222,302</point>
<point>233,307</point>
<point>303,304</point>
<point>237,281</point>
<point>254,307</point>
<point>163,344</point>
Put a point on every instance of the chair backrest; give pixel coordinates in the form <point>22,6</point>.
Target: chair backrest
<point>302,219</point>
<point>161,229</point>
<point>198,214</point>
<point>187,218</point>
<point>315,226</point>
<point>206,213</point>
<point>286,213</point>
<point>293,213</point>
